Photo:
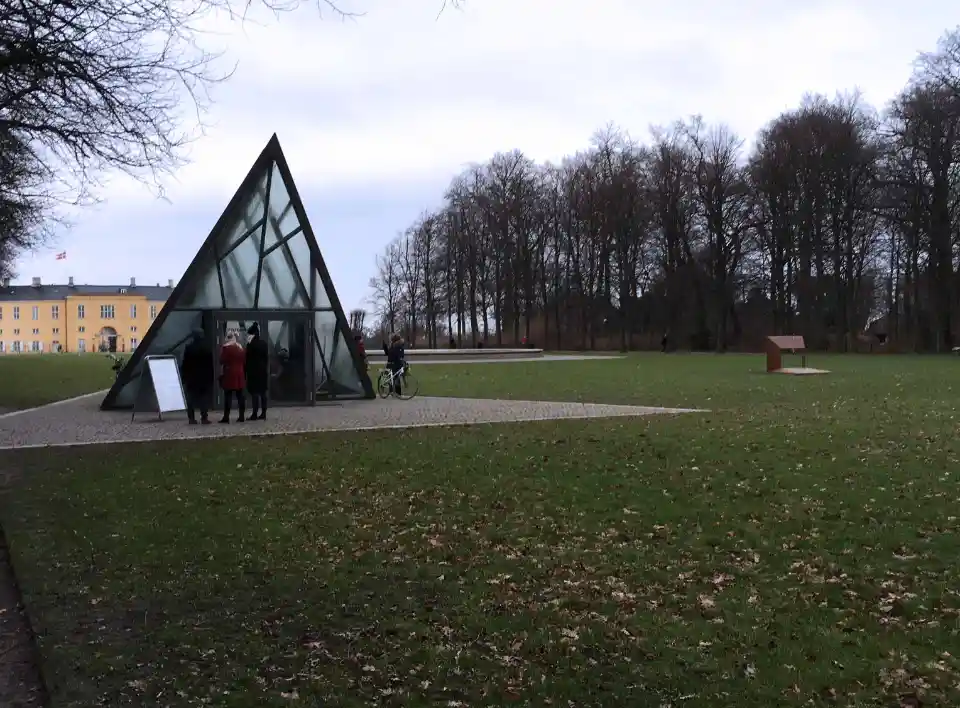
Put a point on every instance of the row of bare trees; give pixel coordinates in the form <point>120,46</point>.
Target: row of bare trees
<point>840,224</point>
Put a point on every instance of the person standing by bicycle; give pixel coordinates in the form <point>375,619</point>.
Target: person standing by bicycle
<point>395,353</point>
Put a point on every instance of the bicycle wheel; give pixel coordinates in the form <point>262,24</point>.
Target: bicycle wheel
<point>384,384</point>
<point>409,387</point>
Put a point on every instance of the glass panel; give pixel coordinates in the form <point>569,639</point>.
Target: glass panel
<point>236,327</point>
<point>289,344</point>
<point>271,236</point>
<point>320,370</point>
<point>172,337</point>
<point>342,367</point>
<point>239,273</point>
<point>320,296</point>
<point>300,252</point>
<point>344,379</point>
<point>281,214</point>
<point>205,291</point>
<point>251,213</point>
<point>279,286</point>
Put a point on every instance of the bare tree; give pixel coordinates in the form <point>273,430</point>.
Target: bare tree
<point>386,288</point>
<point>96,86</point>
<point>27,209</point>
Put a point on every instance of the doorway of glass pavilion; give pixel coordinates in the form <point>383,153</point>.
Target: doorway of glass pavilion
<point>292,373</point>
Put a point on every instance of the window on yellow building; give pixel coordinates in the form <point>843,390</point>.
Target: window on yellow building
<point>1,313</point>
<point>35,312</point>
<point>133,312</point>
<point>56,330</point>
<point>133,329</point>
<point>153,312</point>
<point>1,348</point>
<point>55,312</point>
<point>35,346</point>
<point>16,347</point>
<point>54,346</point>
<point>106,312</point>
<point>133,343</point>
<point>36,331</point>
<point>16,331</point>
<point>16,312</point>
<point>81,345</point>
<point>80,312</point>
<point>81,329</point>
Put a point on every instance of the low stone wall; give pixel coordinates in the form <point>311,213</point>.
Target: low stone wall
<point>414,355</point>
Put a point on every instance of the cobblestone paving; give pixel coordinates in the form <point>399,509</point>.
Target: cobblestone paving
<point>81,422</point>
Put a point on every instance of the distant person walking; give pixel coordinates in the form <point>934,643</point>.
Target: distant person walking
<point>258,373</point>
<point>232,380</point>
<point>197,372</point>
<point>361,349</point>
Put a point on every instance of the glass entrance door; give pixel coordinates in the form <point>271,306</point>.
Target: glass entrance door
<point>289,343</point>
<point>291,361</point>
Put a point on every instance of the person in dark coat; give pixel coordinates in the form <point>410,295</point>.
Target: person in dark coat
<point>232,379</point>
<point>258,373</point>
<point>197,372</point>
<point>396,362</point>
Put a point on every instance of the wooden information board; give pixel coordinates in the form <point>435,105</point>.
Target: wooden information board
<point>160,389</point>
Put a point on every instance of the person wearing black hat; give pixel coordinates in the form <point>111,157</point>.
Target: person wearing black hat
<point>197,373</point>
<point>258,369</point>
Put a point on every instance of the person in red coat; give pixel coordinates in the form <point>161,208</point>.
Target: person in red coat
<point>362,347</point>
<point>232,380</point>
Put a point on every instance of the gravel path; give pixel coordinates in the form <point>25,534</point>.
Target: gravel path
<point>380,359</point>
<point>81,422</point>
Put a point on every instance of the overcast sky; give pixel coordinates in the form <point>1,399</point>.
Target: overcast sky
<point>376,115</point>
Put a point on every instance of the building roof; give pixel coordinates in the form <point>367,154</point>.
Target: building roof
<point>25,293</point>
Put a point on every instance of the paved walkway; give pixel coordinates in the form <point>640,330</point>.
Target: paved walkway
<point>380,359</point>
<point>81,422</point>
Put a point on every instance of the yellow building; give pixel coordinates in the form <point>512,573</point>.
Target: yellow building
<point>41,318</point>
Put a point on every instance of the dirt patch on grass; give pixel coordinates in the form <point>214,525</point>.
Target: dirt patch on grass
<point>20,682</point>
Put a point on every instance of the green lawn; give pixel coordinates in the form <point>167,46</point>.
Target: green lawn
<point>796,546</point>
<point>30,380</point>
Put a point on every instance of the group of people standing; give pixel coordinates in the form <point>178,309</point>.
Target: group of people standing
<point>240,368</point>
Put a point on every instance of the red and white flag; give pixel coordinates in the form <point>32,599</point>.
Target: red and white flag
<point>62,256</point>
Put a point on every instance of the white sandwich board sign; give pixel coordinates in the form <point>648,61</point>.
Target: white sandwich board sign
<point>160,389</point>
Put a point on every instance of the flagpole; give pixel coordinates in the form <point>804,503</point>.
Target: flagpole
<point>62,256</point>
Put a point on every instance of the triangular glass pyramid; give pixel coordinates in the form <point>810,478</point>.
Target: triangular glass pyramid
<point>260,263</point>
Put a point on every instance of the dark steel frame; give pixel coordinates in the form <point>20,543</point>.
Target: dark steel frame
<point>270,156</point>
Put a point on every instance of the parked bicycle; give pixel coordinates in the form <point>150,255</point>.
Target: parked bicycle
<point>386,383</point>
